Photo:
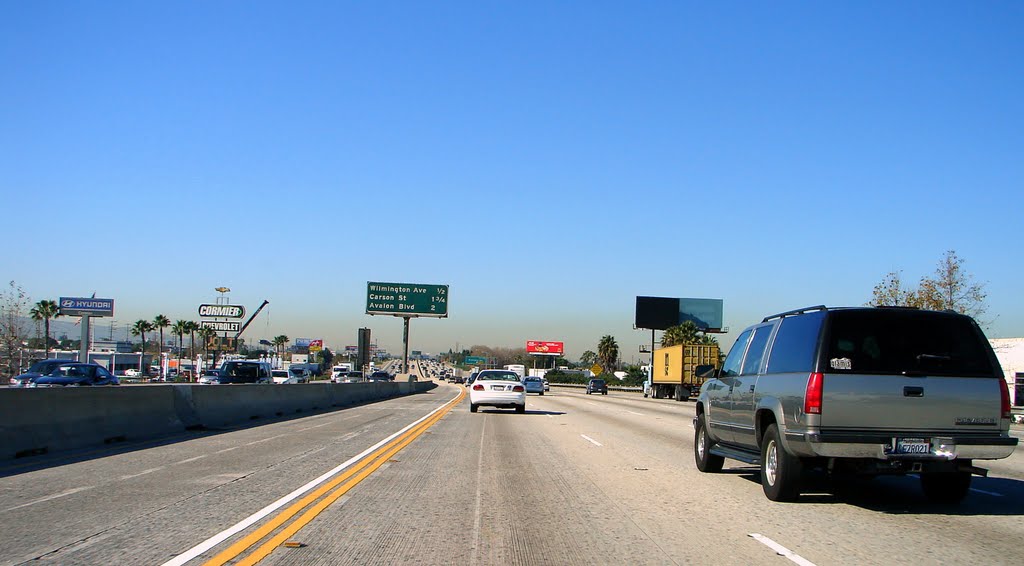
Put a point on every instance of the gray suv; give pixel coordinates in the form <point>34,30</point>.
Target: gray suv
<point>864,391</point>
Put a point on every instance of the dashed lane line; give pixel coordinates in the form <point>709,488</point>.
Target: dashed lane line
<point>51,497</point>
<point>992,493</point>
<point>142,473</point>
<point>591,440</point>
<point>781,550</point>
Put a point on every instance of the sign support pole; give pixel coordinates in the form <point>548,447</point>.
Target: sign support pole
<point>83,348</point>
<point>405,346</point>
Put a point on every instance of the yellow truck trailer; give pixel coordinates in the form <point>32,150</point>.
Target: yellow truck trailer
<point>678,371</point>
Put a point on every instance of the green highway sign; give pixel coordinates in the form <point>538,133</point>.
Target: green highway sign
<point>475,360</point>
<point>407,299</point>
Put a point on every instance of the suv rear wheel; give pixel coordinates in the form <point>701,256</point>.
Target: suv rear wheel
<point>780,471</point>
<point>946,487</point>
<point>706,461</point>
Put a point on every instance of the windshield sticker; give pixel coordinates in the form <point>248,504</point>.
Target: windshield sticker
<point>841,363</point>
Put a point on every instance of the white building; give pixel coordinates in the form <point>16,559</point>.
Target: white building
<point>1010,352</point>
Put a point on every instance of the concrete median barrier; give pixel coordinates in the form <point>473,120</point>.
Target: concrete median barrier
<point>39,421</point>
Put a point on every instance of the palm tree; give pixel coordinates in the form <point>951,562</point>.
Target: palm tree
<point>588,358</point>
<point>608,352</point>
<point>160,321</point>
<point>685,333</point>
<point>180,327</point>
<point>280,342</point>
<point>193,326</point>
<point>140,328</point>
<point>205,333</point>
<point>45,310</point>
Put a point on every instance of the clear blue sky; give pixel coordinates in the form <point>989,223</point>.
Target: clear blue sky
<point>548,161</point>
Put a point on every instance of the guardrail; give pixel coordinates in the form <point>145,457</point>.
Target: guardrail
<point>39,421</point>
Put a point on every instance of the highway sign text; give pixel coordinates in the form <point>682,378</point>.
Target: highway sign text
<point>406,299</point>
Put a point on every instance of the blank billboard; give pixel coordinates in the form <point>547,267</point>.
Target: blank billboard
<point>657,313</point>
<point>660,313</point>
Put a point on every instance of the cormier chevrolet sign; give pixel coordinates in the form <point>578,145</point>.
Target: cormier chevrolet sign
<point>222,311</point>
<point>221,325</point>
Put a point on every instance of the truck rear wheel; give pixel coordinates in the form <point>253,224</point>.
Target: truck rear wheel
<point>781,472</point>
<point>946,487</point>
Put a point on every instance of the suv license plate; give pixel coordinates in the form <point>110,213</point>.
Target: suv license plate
<point>913,446</point>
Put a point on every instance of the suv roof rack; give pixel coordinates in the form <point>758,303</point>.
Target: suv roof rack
<point>797,311</point>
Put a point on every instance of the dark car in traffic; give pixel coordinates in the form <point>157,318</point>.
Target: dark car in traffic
<point>597,386</point>
<point>76,375</point>
<point>36,370</point>
<point>381,376</point>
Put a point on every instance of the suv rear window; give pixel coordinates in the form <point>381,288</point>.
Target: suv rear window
<point>883,341</point>
<point>795,343</point>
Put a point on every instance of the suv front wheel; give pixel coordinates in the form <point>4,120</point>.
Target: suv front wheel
<point>780,471</point>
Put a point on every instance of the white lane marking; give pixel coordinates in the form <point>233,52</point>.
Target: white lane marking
<point>312,427</point>
<point>49,497</point>
<point>227,450</point>
<point>189,460</point>
<point>635,413</point>
<point>220,537</point>
<point>142,473</point>
<point>591,440</point>
<point>781,550</point>
<point>992,493</point>
<point>474,558</point>
<point>268,439</point>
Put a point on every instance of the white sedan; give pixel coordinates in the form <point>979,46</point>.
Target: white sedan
<point>497,388</point>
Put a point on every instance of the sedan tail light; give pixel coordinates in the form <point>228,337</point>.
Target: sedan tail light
<point>518,389</point>
<point>478,387</point>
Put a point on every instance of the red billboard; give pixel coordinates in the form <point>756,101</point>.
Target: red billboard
<point>542,348</point>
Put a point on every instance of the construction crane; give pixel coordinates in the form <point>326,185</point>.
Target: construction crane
<point>246,325</point>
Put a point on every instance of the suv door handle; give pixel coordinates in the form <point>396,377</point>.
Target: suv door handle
<point>910,391</point>
<point>751,388</point>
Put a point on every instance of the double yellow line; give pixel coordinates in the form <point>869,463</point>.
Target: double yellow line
<point>323,497</point>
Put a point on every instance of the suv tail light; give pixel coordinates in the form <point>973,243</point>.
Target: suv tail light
<point>812,395</point>
<point>518,389</point>
<point>478,387</point>
<point>1004,393</point>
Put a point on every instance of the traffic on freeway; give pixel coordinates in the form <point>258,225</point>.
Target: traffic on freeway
<point>576,479</point>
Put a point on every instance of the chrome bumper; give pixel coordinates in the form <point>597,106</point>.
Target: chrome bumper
<point>881,448</point>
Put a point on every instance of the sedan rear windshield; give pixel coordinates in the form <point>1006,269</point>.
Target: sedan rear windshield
<point>906,342</point>
<point>498,376</point>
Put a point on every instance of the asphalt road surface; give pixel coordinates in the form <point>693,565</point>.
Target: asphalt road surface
<point>579,479</point>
